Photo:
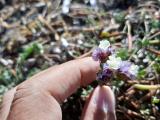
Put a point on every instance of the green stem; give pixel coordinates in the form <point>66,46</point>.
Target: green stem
<point>154,41</point>
<point>146,87</point>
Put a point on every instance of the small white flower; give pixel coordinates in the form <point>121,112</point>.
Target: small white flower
<point>104,44</point>
<point>133,69</point>
<point>114,62</point>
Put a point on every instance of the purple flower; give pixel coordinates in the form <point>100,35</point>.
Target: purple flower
<point>124,66</point>
<point>101,54</point>
<point>103,51</point>
<point>110,50</point>
<point>106,73</point>
<point>128,69</point>
<point>98,54</point>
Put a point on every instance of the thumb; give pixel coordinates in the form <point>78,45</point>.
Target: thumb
<point>100,105</point>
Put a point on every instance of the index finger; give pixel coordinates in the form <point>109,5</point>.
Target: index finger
<point>63,80</point>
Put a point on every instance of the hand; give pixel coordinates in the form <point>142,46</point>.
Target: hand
<point>39,97</point>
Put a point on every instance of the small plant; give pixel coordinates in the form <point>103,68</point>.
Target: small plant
<point>33,48</point>
<point>156,102</point>
<point>112,66</point>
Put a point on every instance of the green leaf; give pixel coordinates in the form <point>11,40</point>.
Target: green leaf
<point>33,71</point>
<point>123,53</point>
<point>142,43</point>
<point>119,17</point>
<point>155,24</point>
<point>3,89</point>
<point>141,74</point>
<point>145,43</point>
<point>6,77</point>
<point>118,83</point>
<point>156,66</point>
<point>31,49</point>
<point>155,100</point>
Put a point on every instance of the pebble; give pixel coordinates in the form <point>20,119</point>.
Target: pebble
<point>65,6</point>
<point>80,42</point>
<point>150,75</point>
<point>6,62</point>
<point>146,60</point>
<point>56,50</point>
<point>64,42</point>
<point>140,55</point>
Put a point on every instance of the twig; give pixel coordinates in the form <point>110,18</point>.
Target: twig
<point>138,81</point>
<point>153,51</point>
<point>130,112</point>
<point>85,54</point>
<point>129,35</point>
<point>154,35</point>
<point>148,96</point>
<point>127,116</point>
<point>41,19</point>
<point>77,29</point>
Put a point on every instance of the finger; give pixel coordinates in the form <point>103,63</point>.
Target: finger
<point>7,101</point>
<point>61,81</point>
<point>100,106</point>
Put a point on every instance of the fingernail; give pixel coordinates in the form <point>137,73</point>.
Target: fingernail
<point>104,100</point>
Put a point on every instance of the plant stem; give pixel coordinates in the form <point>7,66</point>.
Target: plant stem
<point>146,87</point>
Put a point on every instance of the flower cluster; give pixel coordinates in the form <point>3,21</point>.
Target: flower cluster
<point>111,64</point>
<point>102,51</point>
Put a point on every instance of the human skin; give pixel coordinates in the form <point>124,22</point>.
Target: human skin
<point>39,97</point>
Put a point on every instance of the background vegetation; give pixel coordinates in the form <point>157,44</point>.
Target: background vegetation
<point>37,34</point>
